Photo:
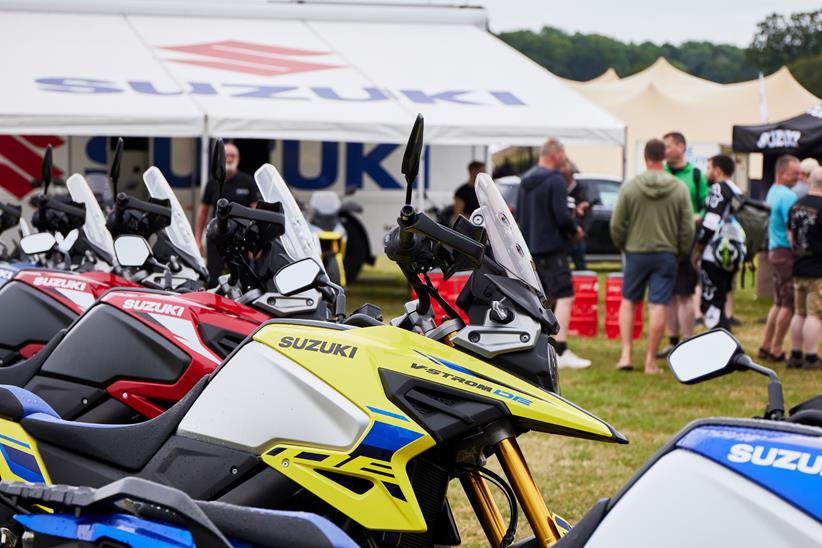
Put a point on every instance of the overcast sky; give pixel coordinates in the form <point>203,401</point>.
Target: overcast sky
<point>719,21</point>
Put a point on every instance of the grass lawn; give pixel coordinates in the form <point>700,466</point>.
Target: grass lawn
<point>573,474</point>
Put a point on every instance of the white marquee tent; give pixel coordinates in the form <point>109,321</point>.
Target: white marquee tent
<point>295,71</point>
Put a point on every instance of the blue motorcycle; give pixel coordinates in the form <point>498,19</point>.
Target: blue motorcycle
<point>720,481</point>
<point>140,513</point>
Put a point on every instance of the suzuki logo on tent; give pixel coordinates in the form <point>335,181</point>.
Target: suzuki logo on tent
<point>249,58</point>
<point>779,138</point>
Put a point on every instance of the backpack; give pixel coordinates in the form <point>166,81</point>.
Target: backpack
<point>753,216</point>
<point>697,179</point>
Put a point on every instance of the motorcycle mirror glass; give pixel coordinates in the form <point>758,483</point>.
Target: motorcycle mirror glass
<point>411,158</point>
<point>131,250</point>
<point>46,169</point>
<point>37,243</point>
<point>707,355</point>
<point>298,276</point>
<point>114,171</point>
<point>218,166</point>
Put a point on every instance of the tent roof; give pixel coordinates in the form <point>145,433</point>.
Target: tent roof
<point>663,98</point>
<point>712,108</point>
<point>145,73</point>
<point>610,75</point>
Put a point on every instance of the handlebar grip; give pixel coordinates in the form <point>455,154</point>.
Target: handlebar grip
<point>120,205</point>
<point>223,213</point>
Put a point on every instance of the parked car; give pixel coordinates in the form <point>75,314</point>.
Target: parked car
<point>604,192</point>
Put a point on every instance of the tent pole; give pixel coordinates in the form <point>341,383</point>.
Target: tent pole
<point>625,154</point>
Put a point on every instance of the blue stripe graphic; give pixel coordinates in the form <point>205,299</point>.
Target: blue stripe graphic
<point>388,414</point>
<point>12,440</point>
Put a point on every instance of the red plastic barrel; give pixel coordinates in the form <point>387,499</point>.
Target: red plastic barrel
<point>585,310</point>
<point>449,290</point>
<point>613,300</point>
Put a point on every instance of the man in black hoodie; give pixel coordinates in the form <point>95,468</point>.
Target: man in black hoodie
<point>549,228</point>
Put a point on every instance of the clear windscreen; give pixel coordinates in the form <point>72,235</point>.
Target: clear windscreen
<point>507,243</point>
<point>179,231</point>
<point>298,240</point>
<point>94,226</point>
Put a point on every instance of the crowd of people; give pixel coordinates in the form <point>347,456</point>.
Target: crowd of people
<point>795,254</point>
<point>681,243</point>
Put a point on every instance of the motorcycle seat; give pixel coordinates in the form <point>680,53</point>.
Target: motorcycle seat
<point>17,403</point>
<point>263,527</point>
<point>21,372</point>
<point>128,446</point>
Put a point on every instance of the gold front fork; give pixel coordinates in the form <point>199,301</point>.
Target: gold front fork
<point>527,492</point>
<point>485,507</point>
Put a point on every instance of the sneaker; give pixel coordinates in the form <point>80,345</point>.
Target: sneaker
<point>733,322</point>
<point>569,360</point>
<point>699,322</point>
<point>664,352</point>
<point>815,366</point>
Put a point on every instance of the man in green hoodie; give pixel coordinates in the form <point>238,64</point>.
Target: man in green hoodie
<point>653,225</point>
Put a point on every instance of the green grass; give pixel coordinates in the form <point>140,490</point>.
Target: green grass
<point>573,474</point>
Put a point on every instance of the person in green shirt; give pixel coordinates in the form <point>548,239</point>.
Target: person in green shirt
<point>682,310</point>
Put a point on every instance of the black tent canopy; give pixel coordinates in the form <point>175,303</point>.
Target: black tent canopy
<point>800,136</point>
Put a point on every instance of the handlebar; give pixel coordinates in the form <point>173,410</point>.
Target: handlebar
<point>73,210</point>
<point>124,201</point>
<point>412,222</point>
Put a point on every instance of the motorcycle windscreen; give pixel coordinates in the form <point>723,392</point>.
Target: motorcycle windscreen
<point>298,240</point>
<point>179,231</point>
<point>94,226</point>
<point>510,249</point>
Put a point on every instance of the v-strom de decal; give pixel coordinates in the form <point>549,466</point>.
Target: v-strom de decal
<point>472,383</point>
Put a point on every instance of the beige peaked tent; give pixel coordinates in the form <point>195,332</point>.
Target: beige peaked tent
<point>663,98</point>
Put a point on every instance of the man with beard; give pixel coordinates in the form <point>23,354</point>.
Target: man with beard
<point>239,187</point>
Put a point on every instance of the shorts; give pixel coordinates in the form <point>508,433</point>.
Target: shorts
<point>657,271</point>
<point>808,293</point>
<point>555,274</point>
<point>781,259</point>
<point>686,279</point>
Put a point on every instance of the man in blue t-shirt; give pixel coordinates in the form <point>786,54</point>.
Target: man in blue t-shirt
<point>780,198</point>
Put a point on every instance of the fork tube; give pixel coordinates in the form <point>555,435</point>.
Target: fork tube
<point>527,492</point>
<point>485,507</point>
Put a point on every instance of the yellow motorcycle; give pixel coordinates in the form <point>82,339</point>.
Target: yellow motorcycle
<point>360,422</point>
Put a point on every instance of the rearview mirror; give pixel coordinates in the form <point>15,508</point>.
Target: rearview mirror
<point>298,276</point>
<point>46,169</point>
<point>218,166</point>
<point>37,243</point>
<point>114,171</point>
<point>411,158</point>
<point>131,250</point>
<point>704,356</point>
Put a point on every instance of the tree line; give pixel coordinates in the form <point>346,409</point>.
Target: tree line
<point>794,40</point>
